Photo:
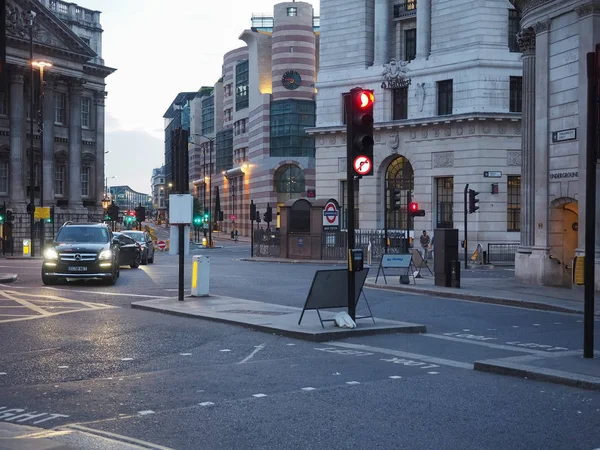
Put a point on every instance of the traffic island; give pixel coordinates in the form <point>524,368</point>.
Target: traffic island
<point>271,318</point>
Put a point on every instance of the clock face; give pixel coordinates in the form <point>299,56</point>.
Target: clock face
<point>291,80</point>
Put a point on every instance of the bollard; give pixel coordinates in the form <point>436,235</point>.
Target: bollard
<point>200,275</point>
<point>27,247</point>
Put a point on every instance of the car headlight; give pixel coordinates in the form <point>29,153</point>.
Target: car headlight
<point>105,254</point>
<point>50,253</point>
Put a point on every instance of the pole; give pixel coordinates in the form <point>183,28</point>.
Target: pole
<point>210,212</point>
<point>408,199</point>
<point>31,166</point>
<point>385,219</point>
<point>251,233</point>
<point>350,224</point>
<point>593,61</point>
<point>466,213</point>
<point>41,123</point>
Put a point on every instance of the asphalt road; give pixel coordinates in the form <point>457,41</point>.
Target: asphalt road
<point>77,354</point>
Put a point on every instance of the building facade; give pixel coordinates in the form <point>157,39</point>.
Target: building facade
<point>66,133</point>
<point>128,199</point>
<point>249,133</point>
<point>555,37</point>
<point>447,85</point>
<point>178,115</point>
<point>158,188</point>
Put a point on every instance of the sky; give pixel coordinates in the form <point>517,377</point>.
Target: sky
<point>160,48</point>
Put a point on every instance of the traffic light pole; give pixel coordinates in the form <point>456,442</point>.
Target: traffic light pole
<point>408,217</point>
<point>385,219</point>
<point>350,208</point>
<point>466,213</point>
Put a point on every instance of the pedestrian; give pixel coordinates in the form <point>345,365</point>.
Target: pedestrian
<point>432,239</point>
<point>236,235</point>
<point>425,241</point>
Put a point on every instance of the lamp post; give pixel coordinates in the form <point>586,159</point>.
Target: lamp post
<point>210,215</point>
<point>169,186</point>
<point>31,165</point>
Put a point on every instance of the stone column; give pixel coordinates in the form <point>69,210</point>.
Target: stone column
<point>423,29</point>
<point>383,24</point>
<point>75,91</point>
<point>17,136</point>
<point>542,157</point>
<point>526,41</point>
<point>48,165</point>
<point>99,103</point>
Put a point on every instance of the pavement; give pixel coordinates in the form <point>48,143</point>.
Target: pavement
<point>273,318</point>
<point>7,277</point>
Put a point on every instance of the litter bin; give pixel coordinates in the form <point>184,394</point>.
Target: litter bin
<point>455,274</point>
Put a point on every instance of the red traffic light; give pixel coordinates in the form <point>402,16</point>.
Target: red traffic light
<point>365,99</point>
<point>414,207</point>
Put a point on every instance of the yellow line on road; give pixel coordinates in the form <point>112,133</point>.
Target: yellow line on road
<point>24,302</point>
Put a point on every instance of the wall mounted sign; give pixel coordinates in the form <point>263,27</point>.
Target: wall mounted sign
<point>492,174</point>
<point>564,135</point>
<point>394,75</point>
<point>561,175</point>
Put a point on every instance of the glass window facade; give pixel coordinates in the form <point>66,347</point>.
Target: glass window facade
<point>208,115</point>
<point>224,150</point>
<point>445,202</point>
<point>59,178</point>
<point>290,179</point>
<point>289,119</point>
<point>514,18</point>
<point>516,94</point>
<point>59,107</point>
<point>85,180</point>
<point>444,97</point>
<point>513,203</point>
<point>400,104</point>
<point>85,112</point>
<point>410,44</point>
<point>241,85</point>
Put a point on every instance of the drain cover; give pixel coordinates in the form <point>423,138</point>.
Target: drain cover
<point>257,313</point>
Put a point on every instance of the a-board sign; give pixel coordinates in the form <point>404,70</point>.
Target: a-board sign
<point>396,261</point>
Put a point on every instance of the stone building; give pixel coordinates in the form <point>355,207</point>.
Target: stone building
<point>69,154</point>
<point>248,132</point>
<point>555,37</point>
<point>446,76</point>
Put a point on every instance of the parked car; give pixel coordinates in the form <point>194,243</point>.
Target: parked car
<point>145,240</point>
<point>130,251</point>
<point>82,250</point>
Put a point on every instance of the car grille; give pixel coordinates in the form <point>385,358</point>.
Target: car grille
<point>78,256</point>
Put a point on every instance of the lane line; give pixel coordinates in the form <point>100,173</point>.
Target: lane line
<point>254,352</point>
<point>387,351</point>
<point>116,437</point>
<point>111,294</point>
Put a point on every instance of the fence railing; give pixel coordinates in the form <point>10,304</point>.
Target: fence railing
<point>267,243</point>
<point>335,243</point>
<point>502,252</point>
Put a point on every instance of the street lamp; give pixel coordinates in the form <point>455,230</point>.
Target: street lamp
<point>210,216</point>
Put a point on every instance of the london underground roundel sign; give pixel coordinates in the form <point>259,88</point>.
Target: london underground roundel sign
<point>362,165</point>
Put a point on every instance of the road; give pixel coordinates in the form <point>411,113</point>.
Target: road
<point>78,356</point>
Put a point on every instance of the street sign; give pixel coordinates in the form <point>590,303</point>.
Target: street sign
<point>161,245</point>
<point>41,212</point>
<point>492,174</point>
<point>331,215</point>
<point>362,165</point>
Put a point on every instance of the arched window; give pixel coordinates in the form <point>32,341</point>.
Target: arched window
<point>289,180</point>
<point>399,180</point>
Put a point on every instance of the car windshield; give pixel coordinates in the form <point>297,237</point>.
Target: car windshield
<point>96,235</point>
<point>137,235</point>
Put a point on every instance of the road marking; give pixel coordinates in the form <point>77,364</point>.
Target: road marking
<point>3,373</point>
<point>290,344</point>
<point>110,294</point>
<point>536,324</point>
<point>395,377</point>
<point>118,437</point>
<point>126,359</point>
<point>259,395</point>
<point>509,347</point>
<point>19,415</point>
<point>352,383</point>
<point>515,326</point>
<point>387,351</point>
<point>410,362</point>
<point>257,349</point>
<point>146,412</point>
<point>557,323</point>
<point>433,373</point>
<point>63,367</point>
<point>185,354</point>
<point>308,388</point>
<point>225,350</point>
<point>206,404</point>
<point>343,352</point>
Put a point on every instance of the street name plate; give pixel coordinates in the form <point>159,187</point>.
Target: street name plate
<point>492,174</point>
<point>41,212</point>
<point>564,135</point>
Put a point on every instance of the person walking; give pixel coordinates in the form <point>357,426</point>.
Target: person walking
<point>425,241</point>
<point>236,235</point>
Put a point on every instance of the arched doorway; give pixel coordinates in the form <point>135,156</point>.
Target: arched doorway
<point>564,214</point>
<point>399,181</point>
<point>289,184</point>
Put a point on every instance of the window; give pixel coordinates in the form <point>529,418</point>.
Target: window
<point>85,180</point>
<point>208,115</point>
<point>3,104</point>
<point>59,108</point>
<point>289,180</point>
<point>4,176</point>
<point>444,97</point>
<point>59,178</point>
<point>63,8</point>
<point>410,44</point>
<point>85,112</point>
<point>292,11</point>
<point>516,94</point>
<point>289,119</point>
<point>513,203</point>
<point>241,85</point>
<point>445,202</point>
<point>224,151</point>
<point>514,17</point>
<point>36,173</point>
<point>400,104</point>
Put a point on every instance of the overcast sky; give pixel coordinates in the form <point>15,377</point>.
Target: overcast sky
<point>160,48</point>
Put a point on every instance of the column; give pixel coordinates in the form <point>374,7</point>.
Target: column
<point>75,91</point>
<point>383,24</point>
<point>526,41</point>
<point>17,136</point>
<point>541,211</point>
<point>99,103</point>
<point>423,29</point>
<point>48,165</point>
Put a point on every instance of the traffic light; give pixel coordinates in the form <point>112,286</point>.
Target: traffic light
<point>257,216</point>
<point>359,129</point>
<point>269,214</point>
<point>220,216</point>
<point>197,221</point>
<point>396,199</point>
<point>414,211</point>
<point>473,200</point>
<point>252,211</point>
<point>51,218</point>
<point>140,213</point>
<point>2,214</point>
<point>9,216</point>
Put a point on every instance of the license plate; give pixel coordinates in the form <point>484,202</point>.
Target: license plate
<point>78,268</point>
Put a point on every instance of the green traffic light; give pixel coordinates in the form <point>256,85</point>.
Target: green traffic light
<point>1,218</point>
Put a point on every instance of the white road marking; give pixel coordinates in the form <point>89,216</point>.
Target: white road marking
<point>257,349</point>
<point>557,323</point>
<point>515,326</point>
<point>225,350</point>
<point>536,324</point>
<point>395,377</point>
<point>126,359</point>
<point>206,404</point>
<point>290,344</point>
<point>118,437</point>
<point>433,373</point>
<point>146,412</point>
<point>63,367</point>
<point>308,388</point>
<point>185,354</point>
<point>466,329</point>
<point>109,294</point>
<point>3,373</point>
<point>352,382</point>
<point>259,395</point>
<point>491,329</point>
<point>387,351</point>
<point>489,344</point>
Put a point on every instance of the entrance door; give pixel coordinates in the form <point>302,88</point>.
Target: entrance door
<point>399,181</point>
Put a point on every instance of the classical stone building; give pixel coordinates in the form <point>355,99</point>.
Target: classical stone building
<point>555,37</point>
<point>247,133</point>
<point>447,82</point>
<point>69,153</point>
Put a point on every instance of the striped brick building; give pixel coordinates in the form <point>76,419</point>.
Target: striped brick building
<point>248,133</point>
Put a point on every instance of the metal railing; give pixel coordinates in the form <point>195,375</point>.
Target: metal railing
<point>267,243</point>
<point>407,8</point>
<point>335,244</point>
<point>501,252</point>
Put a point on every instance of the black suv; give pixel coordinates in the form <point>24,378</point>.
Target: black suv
<point>82,250</point>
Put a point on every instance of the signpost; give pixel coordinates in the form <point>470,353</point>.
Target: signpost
<point>161,245</point>
<point>331,216</point>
